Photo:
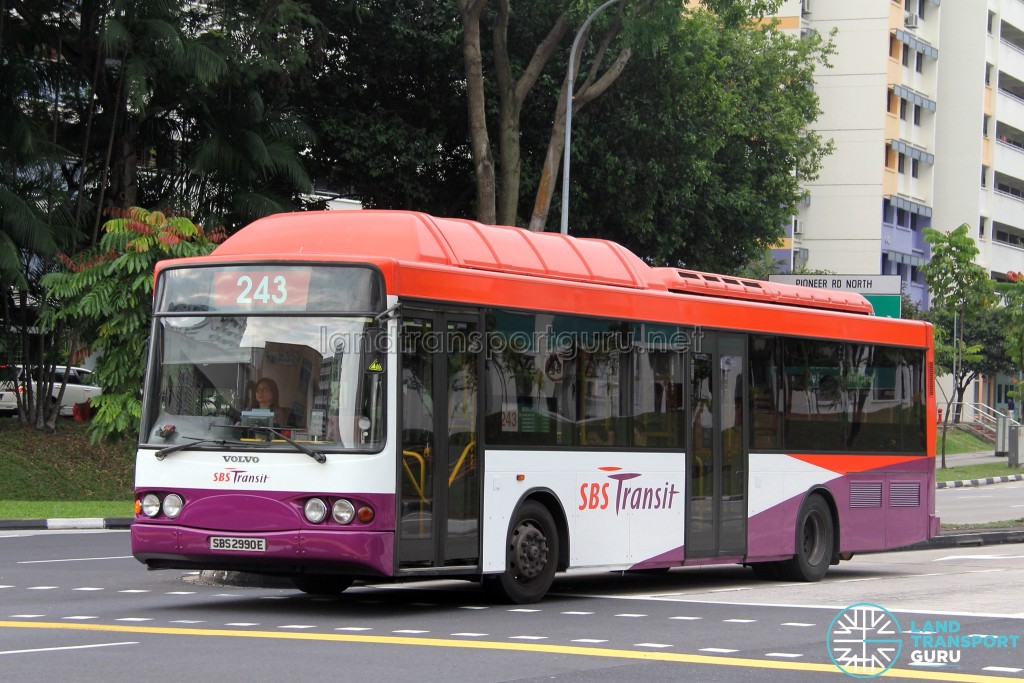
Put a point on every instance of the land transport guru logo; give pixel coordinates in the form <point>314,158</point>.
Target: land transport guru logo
<point>619,496</point>
<point>865,640</point>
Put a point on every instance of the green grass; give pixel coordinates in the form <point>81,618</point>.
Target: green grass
<point>994,469</point>
<point>959,441</point>
<point>61,474</point>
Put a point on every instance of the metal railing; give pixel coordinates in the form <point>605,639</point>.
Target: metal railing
<point>985,420</point>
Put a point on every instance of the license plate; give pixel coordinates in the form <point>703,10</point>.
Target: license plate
<point>252,545</point>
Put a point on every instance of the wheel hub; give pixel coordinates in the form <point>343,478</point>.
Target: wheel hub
<point>530,552</point>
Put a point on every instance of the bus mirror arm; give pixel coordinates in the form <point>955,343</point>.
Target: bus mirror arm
<point>387,315</point>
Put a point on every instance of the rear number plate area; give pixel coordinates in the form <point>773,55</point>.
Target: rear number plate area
<point>251,545</point>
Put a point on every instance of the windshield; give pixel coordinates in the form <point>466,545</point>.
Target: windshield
<point>309,378</point>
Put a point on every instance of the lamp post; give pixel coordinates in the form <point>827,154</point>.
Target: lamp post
<point>568,112</point>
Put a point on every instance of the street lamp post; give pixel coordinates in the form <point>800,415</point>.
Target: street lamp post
<point>568,112</point>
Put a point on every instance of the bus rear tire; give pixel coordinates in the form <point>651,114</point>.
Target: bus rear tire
<point>815,541</point>
<point>321,584</point>
<point>531,557</point>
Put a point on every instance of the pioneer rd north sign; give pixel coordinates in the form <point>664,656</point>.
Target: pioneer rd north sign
<point>882,291</point>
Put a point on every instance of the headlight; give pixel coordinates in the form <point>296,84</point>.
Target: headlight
<point>315,510</point>
<point>151,505</point>
<point>172,505</point>
<point>343,511</point>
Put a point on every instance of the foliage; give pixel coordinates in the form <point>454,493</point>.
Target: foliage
<point>690,160</point>
<point>1013,324</point>
<point>107,291</point>
<point>960,291</point>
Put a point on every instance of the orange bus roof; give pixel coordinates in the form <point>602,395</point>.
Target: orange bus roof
<point>412,237</point>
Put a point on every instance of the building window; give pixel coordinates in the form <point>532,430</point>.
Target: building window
<point>903,109</point>
<point>919,62</point>
<point>901,216</point>
<point>913,221</point>
<point>901,162</point>
<point>914,165</point>
<point>984,177</point>
<point>988,73</point>
<point>917,114</point>
<point>906,56</point>
<point>981,227</point>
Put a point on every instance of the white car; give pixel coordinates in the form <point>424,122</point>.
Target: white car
<point>79,389</point>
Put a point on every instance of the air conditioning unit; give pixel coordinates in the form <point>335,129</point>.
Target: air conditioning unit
<point>798,226</point>
<point>805,7</point>
<point>909,20</point>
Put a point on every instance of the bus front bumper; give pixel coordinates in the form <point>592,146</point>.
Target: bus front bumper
<point>342,551</point>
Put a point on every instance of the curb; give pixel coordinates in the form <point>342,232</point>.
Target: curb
<point>67,523</point>
<point>978,482</point>
<point>963,539</point>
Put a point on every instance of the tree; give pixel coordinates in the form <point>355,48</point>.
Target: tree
<point>107,292</point>
<point>630,24</point>
<point>960,290</point>
<point>691,159</point>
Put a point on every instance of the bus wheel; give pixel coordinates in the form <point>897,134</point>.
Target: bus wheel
<point>531,556</point>
<point>321,584</point>
<point>815,539</point>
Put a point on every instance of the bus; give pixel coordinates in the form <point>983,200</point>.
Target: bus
<point>455,400</point>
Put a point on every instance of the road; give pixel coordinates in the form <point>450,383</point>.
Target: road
<point>75,606</point>
<point>977,504</point>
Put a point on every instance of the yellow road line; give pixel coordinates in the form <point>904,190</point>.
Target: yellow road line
<point>925,675</point>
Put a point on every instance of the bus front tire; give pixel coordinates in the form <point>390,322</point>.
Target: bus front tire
<point>531,556</point>
<point>321,584</point>
<point>815,543</point>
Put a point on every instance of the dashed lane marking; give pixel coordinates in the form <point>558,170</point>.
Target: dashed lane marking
<point>534,648</point>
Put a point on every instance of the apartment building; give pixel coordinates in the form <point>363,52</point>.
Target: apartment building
<point>867,209</point>
<point>925,105</point>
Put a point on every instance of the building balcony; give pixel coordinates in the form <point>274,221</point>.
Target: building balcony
<point>1009,160</point>
<point>1001,257</point>
<point>1008,209</point>
<point>1011,60</point>
<point>1010,110</point>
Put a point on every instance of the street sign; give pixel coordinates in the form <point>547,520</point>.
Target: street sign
<point>881,291</point>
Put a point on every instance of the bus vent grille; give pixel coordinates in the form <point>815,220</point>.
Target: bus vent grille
<point>865,494</point>
<point>905,494</point>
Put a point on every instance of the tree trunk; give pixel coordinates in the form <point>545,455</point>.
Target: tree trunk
<point>479,140</point>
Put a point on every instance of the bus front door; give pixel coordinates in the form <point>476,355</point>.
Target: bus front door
<point>439,495</point>
<point>716,453</point>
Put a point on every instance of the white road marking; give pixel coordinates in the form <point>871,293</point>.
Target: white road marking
<point>589,640</point>
<point>77,559</point>
<point>656,645</point>
<point>719,650</point>
<point>797,623</point>
<point>577,613</point>
<point>87,588</point>
<point>69,647</point>
<point>786,655</point>
<point>1002,669</point>
<point>354,628</point>
<point>739,621</point>
<point>528,637</point>
<point>471,635</point>
<point>297,626</point>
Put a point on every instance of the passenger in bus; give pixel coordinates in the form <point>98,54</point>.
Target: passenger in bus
<point>266,397</point>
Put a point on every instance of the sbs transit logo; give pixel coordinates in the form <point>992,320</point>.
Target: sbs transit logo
<point>618,495</point>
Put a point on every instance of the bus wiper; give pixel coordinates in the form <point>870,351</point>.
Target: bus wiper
<point>164,452</point>
<point>299,446</point>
